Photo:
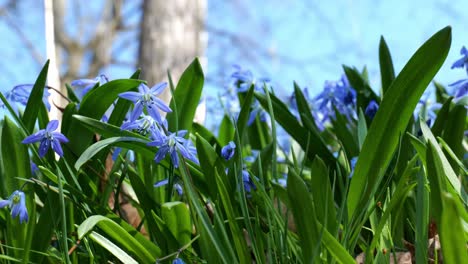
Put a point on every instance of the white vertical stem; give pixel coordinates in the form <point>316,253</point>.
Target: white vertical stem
<point>53,76</point>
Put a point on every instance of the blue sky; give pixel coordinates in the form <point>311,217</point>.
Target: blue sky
<point>301,40</point>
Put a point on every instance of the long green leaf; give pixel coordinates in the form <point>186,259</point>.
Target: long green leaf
<point>392,118</point>
<point>387,72</point>
<point>177,218</point>
<point>35,99</point>
<point>121,236</point>
<point>186,97</point>
<point>112,248</point>
<point>446,169</point>
<point>451,232</point>
<point>304,216</point>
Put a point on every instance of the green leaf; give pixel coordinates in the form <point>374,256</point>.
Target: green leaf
<point>443,165</point>
<point>226,131</point>
<point>100,145</point>
<point>451,232</point>
<point>455,126</point>
<point>203,223</point>
<point>364,92</point>
<point>304,217</point>
<point>177,218</point>
<point>35,99</point>
<point>237,234</point>
<point>303,105</point>
<point>335,248</point>
<point>442,117</point>
<point>121,236</point>
<point>387,72</point>
<point>243,117</point>
<point>323,196</point>
<point>209,164</point>
<point>186,97</point>
<point>362,129</point>
<point>392,118</point>
<point>112,248</point>
<point>206,134</point>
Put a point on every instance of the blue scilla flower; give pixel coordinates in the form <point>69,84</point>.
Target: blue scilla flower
<point>177,186</point>
<point>173,144</point>
<point>283,181</point>
<point>247,181</point>
<point>227,152</point>
<point>17,203</point>
<point>460,88</point>
<point>143,126</point>
<point>337,94</point>
<point>257,111</point>
<point>371,109</point>
<point>463,61</point>
<point>48,138</point>
<point>352,164</point>
<point>86,84</point>
<point>20,94</point>
<point>146,97</point>
<point>178,261</point>
<point>245,78</point>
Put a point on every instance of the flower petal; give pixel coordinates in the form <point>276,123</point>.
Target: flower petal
<point>161,105</point>
<point>60,137</point>
<point>132,96</point>
<point>161,154</point>
<point>44,147</point>
<point>158,88</point>
<point>56,147</point>
<point>4,203</point>
<point>34,138</point>
<point>161,183</point>
<point>137,110</point>
<point>52,126</point>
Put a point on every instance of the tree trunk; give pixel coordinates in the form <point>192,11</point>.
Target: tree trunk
<point>172,35</point>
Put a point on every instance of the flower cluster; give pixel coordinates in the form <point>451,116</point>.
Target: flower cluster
<point>172,143</point>
<point>337,95</point>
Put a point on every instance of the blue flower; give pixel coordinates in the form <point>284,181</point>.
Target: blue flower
<point>352,164</point>
<point>34,168</point>
<point>257,111</point>
<point>460,88</point>
<point>178,261</point>
<point>147,97</point>
<point>319,118</point>
<point>371,109</point>
<point>20,94</point>
<point>86,84</point>
<point>17,203</point>
<point>177,186</point>
<point>462,62</point>
<point>283,181</point>
<point>227,152</point>
<point>247,181</point>
<point>339,95</point>
<point>244,79</point>
<point>173,144</point>
<point>48,138</point>
<point>143,126</point>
